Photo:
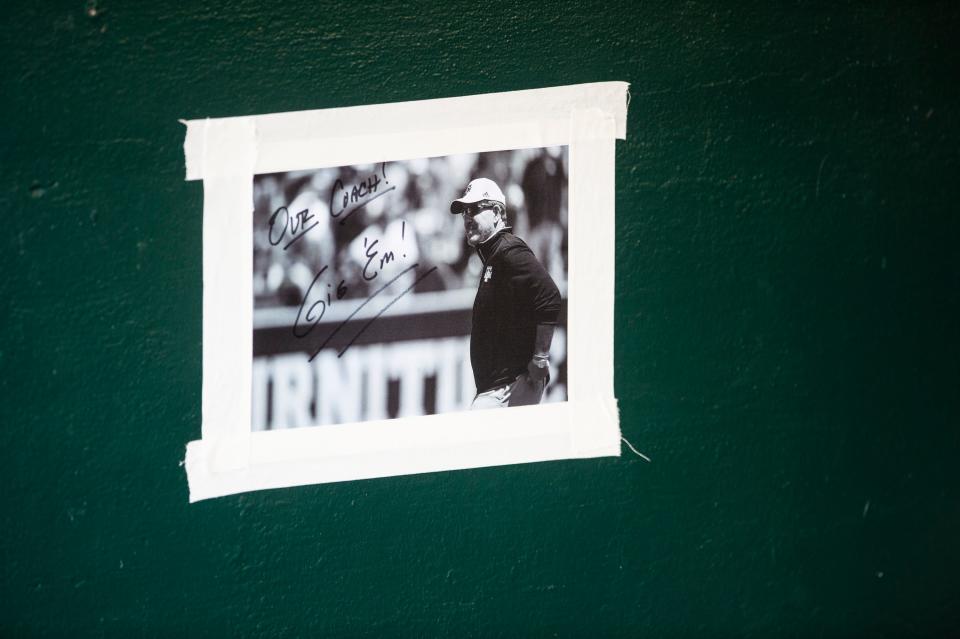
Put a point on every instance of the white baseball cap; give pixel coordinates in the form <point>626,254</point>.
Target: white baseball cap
<point>478,190</point>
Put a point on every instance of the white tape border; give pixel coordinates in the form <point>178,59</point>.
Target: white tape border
<point>402,130</point>
<point>227,152</point>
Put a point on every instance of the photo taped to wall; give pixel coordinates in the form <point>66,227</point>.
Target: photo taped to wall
<point>387,287</point>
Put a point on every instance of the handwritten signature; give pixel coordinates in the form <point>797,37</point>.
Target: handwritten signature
<point>317,309</point>
<point>309,315</point>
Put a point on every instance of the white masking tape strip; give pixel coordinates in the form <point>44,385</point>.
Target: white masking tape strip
<point>404,130</point>
<point>591,254</point>
<point>407,446</point>
<point>227,320</point>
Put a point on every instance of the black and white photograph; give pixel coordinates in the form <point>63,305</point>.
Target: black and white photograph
<point>410,288</point>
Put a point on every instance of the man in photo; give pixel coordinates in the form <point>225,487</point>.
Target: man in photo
<point>516,307</point>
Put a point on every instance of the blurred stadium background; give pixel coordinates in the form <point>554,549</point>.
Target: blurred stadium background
<point>414,359</point>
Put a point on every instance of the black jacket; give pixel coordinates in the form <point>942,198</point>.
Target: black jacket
<point>515,294</point>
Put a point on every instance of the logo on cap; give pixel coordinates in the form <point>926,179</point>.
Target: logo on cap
<point>490,191</point>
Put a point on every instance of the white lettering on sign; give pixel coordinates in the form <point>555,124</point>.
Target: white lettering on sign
<point>370,382</point>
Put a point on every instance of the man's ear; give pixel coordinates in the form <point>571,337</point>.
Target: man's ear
<point>501,212</point>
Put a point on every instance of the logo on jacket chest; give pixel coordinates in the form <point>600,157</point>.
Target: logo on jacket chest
<point>488,274</point>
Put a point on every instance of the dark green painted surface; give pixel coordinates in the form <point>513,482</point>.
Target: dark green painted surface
<point>787,331</point>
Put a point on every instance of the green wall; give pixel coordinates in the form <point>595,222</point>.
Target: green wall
<point>787,342</point>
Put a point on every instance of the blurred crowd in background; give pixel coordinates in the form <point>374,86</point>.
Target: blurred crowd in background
<point>409,215</point>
